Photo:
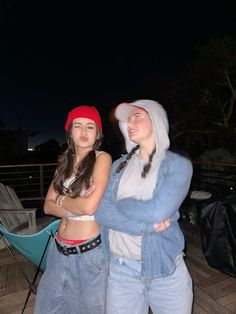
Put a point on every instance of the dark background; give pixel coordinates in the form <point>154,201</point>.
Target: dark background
<point>55,56</point>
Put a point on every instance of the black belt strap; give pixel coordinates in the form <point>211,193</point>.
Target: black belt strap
<point>79,248</point>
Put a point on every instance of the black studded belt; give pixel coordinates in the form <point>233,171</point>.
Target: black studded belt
<point>79,248</point>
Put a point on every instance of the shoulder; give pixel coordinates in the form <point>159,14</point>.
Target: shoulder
<point>177,161</point>
<point>103,156</point>
<point>99,152</point>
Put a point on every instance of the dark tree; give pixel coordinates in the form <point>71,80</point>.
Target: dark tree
<point>202,106</point>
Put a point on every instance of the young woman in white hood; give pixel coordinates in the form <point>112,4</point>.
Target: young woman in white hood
<point>139,214</point>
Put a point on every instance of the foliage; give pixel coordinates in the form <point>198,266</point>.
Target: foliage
<point>215,72</point>
<point>202,109</point>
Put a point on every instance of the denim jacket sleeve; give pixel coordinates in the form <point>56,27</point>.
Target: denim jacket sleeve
<point>109,216</point>
<point>167,197</point>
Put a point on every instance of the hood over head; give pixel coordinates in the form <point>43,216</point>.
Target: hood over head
<point>159,120</point>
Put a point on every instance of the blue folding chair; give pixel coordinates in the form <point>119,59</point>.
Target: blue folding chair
<point>33,246</point>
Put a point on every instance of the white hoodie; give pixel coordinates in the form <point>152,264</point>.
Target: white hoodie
<point>161,127</point>
<point>132,184</point>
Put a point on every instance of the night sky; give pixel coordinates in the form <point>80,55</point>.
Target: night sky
<point>55,57</point>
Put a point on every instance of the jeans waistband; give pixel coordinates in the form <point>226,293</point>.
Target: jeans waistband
<point>79,248</point>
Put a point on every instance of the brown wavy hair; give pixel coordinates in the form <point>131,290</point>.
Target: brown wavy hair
<point>65,168</point>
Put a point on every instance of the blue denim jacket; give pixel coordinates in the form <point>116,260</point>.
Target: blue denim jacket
<point>137,217</point>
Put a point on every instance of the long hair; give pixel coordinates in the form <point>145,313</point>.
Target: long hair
<point>83,173</point>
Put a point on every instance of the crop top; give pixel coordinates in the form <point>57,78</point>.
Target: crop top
<point>67,183</point>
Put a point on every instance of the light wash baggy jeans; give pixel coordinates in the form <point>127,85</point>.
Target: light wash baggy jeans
<point>74,284</point>
<point>128,292</point>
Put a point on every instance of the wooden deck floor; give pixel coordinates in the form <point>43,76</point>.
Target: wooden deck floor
<point>214,291</point>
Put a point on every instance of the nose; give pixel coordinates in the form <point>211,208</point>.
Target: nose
<point>130,122</point>
<point>83,129</point>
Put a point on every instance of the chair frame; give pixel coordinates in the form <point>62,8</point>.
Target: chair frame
<point>16,220</point>
<point>31,284</point>
<point>11,206</point>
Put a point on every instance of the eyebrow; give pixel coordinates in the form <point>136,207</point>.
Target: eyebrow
<point>89,123</point>
<point>134,114</point>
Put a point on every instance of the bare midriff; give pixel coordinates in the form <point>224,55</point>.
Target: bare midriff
<point>78,230</point>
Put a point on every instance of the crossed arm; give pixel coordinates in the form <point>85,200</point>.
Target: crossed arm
<point>139,217</point>
<point>166,200</point>
<point>81,205</point>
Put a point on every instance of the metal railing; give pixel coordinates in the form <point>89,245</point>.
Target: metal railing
<point>217,178</point>
<point>31,181</point>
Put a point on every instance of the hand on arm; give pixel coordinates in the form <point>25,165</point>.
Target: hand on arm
<point>50,204</point>
<point>89,191</point>
<point>162,226</point>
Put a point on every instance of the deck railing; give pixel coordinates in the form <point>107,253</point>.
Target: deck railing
<point>217,178</point>
<point>31,181</point>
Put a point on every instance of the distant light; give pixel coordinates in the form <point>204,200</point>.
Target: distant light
<point>231,188</point>
<point>30,149</point>
<point>30,177</point>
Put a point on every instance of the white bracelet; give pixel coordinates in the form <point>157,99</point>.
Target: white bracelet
<point>68,214</point>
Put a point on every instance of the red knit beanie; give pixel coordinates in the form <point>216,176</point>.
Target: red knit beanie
<point>88,112</point>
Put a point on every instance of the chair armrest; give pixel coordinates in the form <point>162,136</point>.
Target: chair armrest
<point>29,212</point>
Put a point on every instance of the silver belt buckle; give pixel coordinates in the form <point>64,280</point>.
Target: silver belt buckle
<point>64,251</point>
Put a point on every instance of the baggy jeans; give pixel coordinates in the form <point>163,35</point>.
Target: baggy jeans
<point>128,292</point>
<point>74,284</point>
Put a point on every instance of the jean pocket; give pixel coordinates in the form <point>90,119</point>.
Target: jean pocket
<point>96,259</point>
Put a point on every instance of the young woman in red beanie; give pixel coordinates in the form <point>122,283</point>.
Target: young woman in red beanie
<point>75,277</point>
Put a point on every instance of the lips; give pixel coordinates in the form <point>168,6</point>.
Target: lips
<point>83,139</point>
<point>131,132</point>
